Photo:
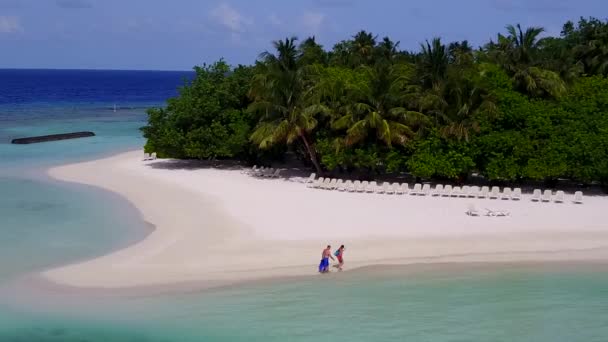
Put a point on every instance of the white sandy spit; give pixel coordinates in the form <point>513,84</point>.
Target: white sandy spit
<point>222,226</point>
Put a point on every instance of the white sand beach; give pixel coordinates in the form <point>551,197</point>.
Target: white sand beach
<point>221,226</point>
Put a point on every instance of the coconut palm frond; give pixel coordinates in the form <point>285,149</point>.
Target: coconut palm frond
<point>374,120</point>
<point>383,132</point>
<point>400,133</point>
<point>316,108</point>
<point>282,130</point>
<point>343,122</point>
<point>263,135</point>
<point>356,132</point>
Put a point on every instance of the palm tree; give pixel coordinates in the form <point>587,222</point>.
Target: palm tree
<point>434,63</point>
<point>310,52</point>
<point>557,55</point>
<point>523,43</point>
<point>460,53</point>
<point>363,45</point>
<point>516,53</point>
<point>594,52</point>
<point>387,49</point>
<point>280,94</point>
<point>538,81</point>
<point>341,54</point>
<point>376,107</point>
<point>466,102</point>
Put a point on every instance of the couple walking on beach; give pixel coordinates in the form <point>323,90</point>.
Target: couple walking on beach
<point>326,254</point>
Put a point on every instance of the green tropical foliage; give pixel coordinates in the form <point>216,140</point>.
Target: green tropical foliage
<point>281,98</point>
<point>207,119</point>
<point>517,53</point>
<point>523,107</point>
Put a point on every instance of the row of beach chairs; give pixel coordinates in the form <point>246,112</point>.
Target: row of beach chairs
<point>439,190</point>
<point>263,172</point>
<point>559,197</point>
<point>150,156</point>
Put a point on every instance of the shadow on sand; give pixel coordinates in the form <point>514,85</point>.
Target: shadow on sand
<point>288,172</point>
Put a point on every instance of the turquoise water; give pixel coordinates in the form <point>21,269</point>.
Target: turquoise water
<point>45,223</point>
<point>512,304</point>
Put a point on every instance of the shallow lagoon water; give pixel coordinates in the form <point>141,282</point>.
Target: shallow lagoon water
<point>510,303</point>
<point>47,223</point>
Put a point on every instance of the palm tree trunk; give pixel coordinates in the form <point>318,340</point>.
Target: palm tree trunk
<point>311,153</point>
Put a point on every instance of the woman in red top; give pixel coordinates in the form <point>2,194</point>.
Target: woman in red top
<point>340,256</point>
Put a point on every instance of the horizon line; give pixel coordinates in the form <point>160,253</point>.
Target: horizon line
<point>97,69</point>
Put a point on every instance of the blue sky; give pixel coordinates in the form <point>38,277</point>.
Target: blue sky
<point>177,34</point>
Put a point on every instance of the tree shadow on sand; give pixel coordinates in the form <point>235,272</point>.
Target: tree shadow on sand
<point>288,172</point>
<point>195,164</point>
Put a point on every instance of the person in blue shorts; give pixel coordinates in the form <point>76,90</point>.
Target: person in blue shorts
<point>325,255</point>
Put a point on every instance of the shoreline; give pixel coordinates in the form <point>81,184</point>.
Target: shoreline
<point>211,226</point>
<point>39,287</point>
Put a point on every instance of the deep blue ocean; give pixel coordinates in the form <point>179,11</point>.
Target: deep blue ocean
<point>45,223</point>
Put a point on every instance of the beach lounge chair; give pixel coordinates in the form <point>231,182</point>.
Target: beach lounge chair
<point>578,197</point>
<point>364,186</point>
<point>332,184</point>
<point>472,211</point>
<point>465,191</point>
<point>325,185</point>
<point>348,186</point>
<point>317,184</point>
<point>268,173</point>
<point>405,188</point>
<point>447,191</point>
<point>547,194</point>
<point>397,189</point>
<point>516,196</point>
<point>483,193</point>
<point>388,188</point>
<point>356,186</point>
<point>536,195</point>
<point>261,172</point>
<point>371,187</point>
<point>311,178</point>
<point>426,190</point>
<point>474,191</point>
<point>417,190</point>
<point>456,191</point>
<point>146,156</point>
<point>379,189</point>
<point>311,184</point>
<point>506,194</point>
<point>497,212</point>
<point>351,186</point>
<point>494,193</point>
<point>275,174</point>
<point>257,171</point>
<point>502,213</point>
<point>250,171</point>
<point>340,185</point>
<point>559,197</point>
<point>438,190</point>
<point>153,156</point>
